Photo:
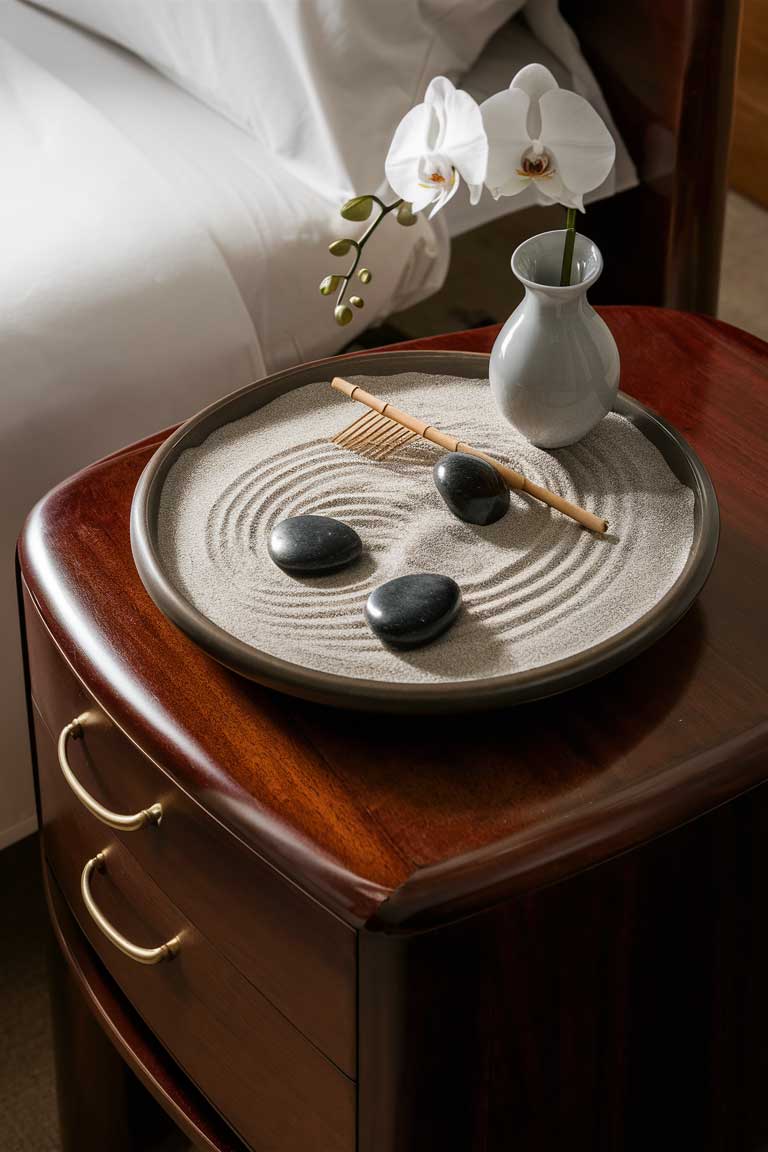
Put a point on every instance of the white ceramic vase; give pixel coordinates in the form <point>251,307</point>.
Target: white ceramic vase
<point>555,366</point>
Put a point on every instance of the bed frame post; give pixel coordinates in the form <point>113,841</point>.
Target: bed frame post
<point>667,72</point>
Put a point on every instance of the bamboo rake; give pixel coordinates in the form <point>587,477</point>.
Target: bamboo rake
<point>363,429</point>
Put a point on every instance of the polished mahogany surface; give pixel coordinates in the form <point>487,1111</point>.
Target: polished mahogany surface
<point>407,821</point>
<point>110,1069</point>
<point>621,1010</point>
<point>667,72</point>
<point>252,1063</point>
<point>301,957</point>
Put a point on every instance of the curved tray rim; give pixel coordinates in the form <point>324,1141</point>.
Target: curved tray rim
<point>398,696</point>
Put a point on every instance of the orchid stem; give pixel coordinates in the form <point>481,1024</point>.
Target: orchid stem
<point>360,244</point>
<point>570,240</point>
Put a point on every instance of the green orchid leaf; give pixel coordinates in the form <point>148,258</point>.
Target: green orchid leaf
<point>329,284</point>
<point>359,208</point>
<point>405,215</point>
<point>343,314</point>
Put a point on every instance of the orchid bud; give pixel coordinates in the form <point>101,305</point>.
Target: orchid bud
<point>340,247</point>
<point>329,284</point>
<point>359,208</point>
<point>365,275</point>
<point>405,215</point>
<point>357,301</point>
<point>343,314</point>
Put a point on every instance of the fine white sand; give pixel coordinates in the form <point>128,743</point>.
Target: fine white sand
<point>536,587</point>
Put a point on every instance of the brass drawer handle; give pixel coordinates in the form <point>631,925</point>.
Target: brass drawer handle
<point>140,955</point>
<point>152,815</point>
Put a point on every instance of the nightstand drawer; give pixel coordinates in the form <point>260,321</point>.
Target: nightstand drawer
<point>301,957</point>
<point>273,1085</point>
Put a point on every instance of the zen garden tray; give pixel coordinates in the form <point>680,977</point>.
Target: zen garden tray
<point>547,605</point>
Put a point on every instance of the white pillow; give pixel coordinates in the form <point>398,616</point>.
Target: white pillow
<point>321,83</point>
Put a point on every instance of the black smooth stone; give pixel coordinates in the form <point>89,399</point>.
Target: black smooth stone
<point>412,610</point>
<point>313,544</point>
<point>472,489</point>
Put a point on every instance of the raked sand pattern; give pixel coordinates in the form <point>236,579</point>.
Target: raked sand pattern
<point>536,587</point>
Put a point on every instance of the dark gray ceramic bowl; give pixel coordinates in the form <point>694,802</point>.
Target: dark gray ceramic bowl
<point>380,695</point>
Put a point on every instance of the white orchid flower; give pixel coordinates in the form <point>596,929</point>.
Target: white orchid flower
<point>538,133</point>
<point>435,144</point>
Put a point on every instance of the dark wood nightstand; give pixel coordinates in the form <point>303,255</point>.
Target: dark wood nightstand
<point>531,929</point>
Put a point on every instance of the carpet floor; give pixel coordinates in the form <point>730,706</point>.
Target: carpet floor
<point>28,1120</point>
<point>744,270</point>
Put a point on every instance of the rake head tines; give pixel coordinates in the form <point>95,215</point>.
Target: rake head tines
<point>373,435</point>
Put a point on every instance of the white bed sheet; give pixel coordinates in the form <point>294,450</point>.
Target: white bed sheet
<point>271,230</point>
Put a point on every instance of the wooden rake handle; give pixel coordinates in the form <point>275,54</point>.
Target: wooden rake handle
<point>513,479</point>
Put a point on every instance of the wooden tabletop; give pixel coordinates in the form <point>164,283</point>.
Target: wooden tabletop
<point>404,821</point>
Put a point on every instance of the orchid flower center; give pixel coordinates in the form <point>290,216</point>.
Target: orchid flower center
<point>536,162</point>
<point>436,172</point>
